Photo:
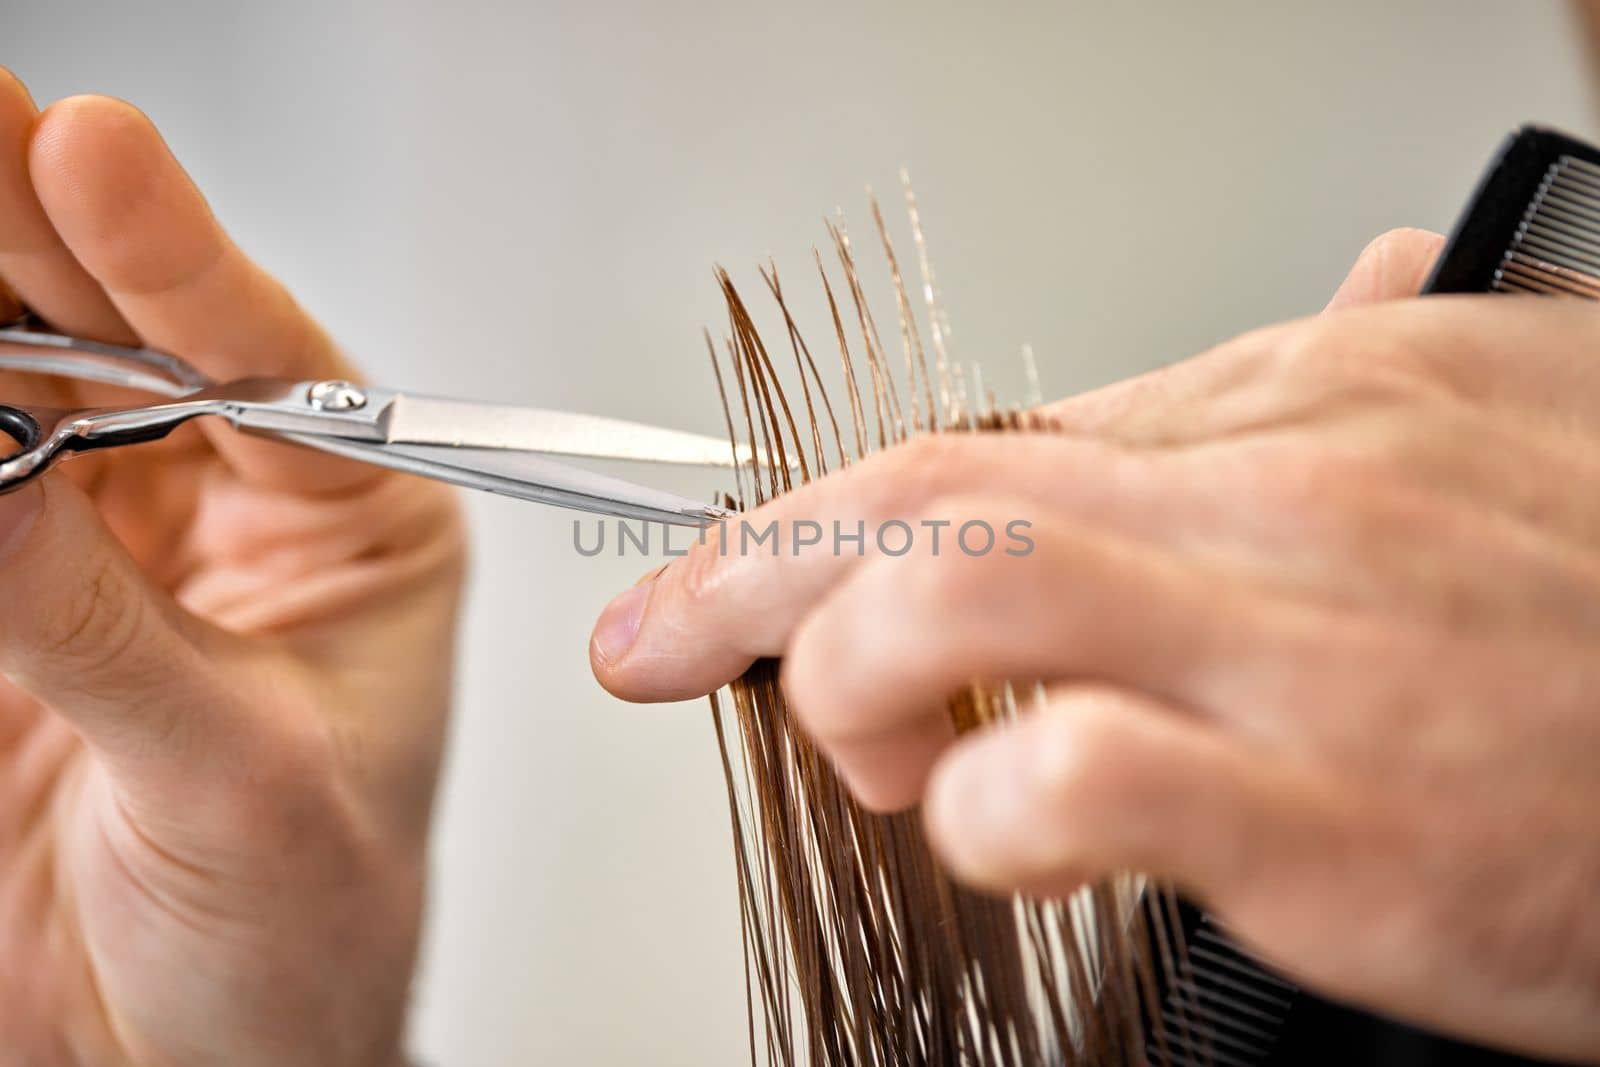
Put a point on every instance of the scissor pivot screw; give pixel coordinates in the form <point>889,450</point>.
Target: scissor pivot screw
<point>336,395</point>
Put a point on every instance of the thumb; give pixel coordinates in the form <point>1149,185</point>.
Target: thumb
<point>1392,266</point>
<point>87,634</point>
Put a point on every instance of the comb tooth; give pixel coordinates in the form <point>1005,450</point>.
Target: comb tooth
<point>1581,170</point>
<point>1243,1011</point>
<point>1559,243</point>
<point>1555,250</point>
<point>1223,1007</point>
<point>1524,275</point>
<point>1553,212</point>
<point>1577,180</point>
<point>1574,201</point>
<point>1570,228</point>
<point>1219,1029</point>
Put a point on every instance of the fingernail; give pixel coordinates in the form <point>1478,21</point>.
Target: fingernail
<point>618,627</point>
<point>17,511</point>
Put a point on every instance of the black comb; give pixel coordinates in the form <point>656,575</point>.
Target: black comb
<point>1531,227</point>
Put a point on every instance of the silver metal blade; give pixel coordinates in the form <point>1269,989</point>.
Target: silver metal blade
<point>38,352</point>
<point>524,476</point>
<point>425,420</point>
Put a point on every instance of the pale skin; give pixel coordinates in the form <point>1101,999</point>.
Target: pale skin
<point>1315,613</point>
<point>226,661</point>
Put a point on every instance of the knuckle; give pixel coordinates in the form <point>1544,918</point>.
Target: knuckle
<point>95,622</point>
<point>1076,755</point>
<point>1388,372</point>
<point>699,573</point>
<point>1313,489</point>
<point>927,467</point>
<point>937,586</point>
<point>1310,359</point>
<point>1339,365</point>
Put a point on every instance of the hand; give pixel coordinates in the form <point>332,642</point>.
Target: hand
<point>228,660</point>
<point>1316,613</point>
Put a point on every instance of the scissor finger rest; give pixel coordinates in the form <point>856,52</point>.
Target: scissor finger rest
<point>21,427</point>
<point>41,435</point>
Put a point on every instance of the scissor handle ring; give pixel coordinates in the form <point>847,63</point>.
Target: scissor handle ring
<point>21,427</point>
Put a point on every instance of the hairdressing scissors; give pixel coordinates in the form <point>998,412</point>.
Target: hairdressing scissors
<point>494,447</point>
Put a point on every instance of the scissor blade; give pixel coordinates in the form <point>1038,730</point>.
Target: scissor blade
<point>524,476</point>
<point>27,349</point>
<point>423,420</point>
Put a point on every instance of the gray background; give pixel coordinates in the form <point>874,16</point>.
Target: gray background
<point>522,200</point>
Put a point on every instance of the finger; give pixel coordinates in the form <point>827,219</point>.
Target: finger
<point>877,660</point>
<point>1097,781</point>
<point>736,598</point>
<point>34,262</point>
<point>133,218</point>
<point>1176,404</point>
<point>1394,265</point>
<point>1191,400</point>
<point>1527,357</point>
<point>1522,357</point>
<point>88,635</point>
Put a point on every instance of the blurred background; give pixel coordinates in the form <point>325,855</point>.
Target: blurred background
<point>523,201</point>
